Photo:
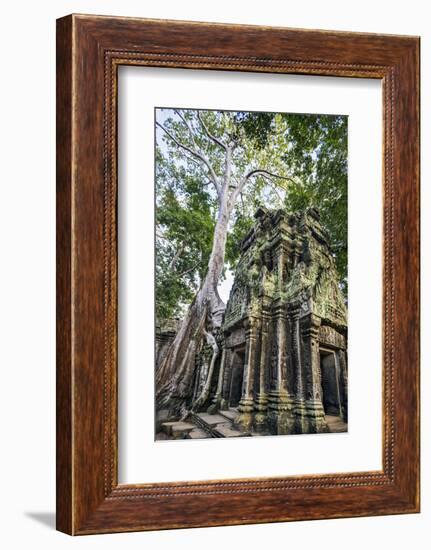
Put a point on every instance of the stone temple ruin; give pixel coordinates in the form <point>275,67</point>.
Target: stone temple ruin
<point>282,366</point>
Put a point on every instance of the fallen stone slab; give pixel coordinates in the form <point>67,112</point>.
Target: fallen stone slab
<point>161,417</point>
<point>177,428</point>
<point>167,427</point>
<point>180,429</point>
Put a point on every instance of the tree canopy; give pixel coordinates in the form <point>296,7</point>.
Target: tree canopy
<point>302,160</point>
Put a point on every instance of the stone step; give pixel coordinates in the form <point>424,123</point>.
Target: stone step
<point>227,430</point>
<point>197,433</point>
<point>211,419</point>
<point>218,425</point>
<point>177,430</point>
<point>335,424</point>
<point>230,414</point>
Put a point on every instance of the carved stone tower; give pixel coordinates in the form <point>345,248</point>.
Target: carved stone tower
<point>284,359</point>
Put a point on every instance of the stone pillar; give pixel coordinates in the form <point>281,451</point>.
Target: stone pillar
<point>338,382</point>
<point>343,376</point>
<point>216,400</point>
<point>198,362</point>
<point>244,419</point>
<point>226,378</point>
<point>261,398</point>
<point>299,408</point>
<point>281,252</point>
<point>296,251</point>
<point>280,417</point>
<point>314,406</point>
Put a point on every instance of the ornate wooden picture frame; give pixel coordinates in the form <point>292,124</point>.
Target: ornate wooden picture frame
<point>89,51</point>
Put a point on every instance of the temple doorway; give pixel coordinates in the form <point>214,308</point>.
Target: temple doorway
<point>330,383</point>
<point>237,377</point>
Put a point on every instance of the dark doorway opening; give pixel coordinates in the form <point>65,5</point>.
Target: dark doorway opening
<point>330,383</point>
<point>237,377</point>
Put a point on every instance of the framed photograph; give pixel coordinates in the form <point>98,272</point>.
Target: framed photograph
<point>237,274</point>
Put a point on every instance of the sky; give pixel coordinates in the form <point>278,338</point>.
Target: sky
<point>225,286</point>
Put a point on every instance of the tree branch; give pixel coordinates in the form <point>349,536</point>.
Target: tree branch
<point>175,258</point>
<point>189,270</point>
<point>162,237</point>
<point>197,154</point>
<point>267,172</point>
<point>210,135</point>
<point>255,172</point>
<point>187,123</point>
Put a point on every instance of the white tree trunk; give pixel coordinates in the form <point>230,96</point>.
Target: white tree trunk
<point>174,377</point>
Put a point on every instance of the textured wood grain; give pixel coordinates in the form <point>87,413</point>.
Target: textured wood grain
<point>89,499</point>
<point>64,288</point>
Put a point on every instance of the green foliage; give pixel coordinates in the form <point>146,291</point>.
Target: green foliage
<point>319,160</point>
<point>256,126</point>
<point>184,233</point>
<point>316,156</point>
